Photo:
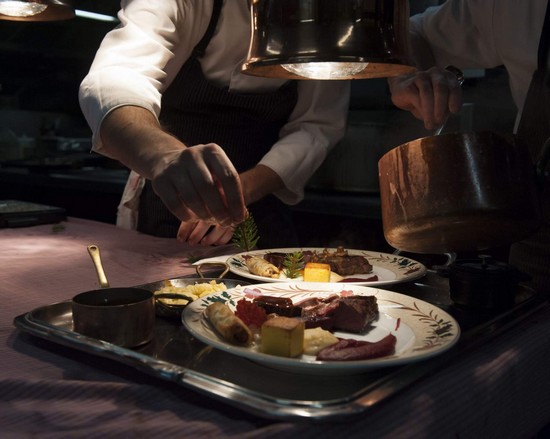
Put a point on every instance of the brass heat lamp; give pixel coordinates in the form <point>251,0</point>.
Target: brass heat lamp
<point>328,39</point>
<point>36,10</point>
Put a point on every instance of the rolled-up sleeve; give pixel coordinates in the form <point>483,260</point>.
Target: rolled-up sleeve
<point>316,125</point>
<point>137,60</point>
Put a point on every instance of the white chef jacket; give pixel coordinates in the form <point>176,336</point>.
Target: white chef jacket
<point>486,34</point>
<point>139,59</point>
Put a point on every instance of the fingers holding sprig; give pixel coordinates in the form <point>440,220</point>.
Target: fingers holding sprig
<point>201,184</point>
<point>227,183</point>
<point>204,233</point>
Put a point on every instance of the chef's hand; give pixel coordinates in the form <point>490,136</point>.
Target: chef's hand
<point>200,184</point>
<point>429,95</point>
<point>195,184</point>
<point>204,233</point>
<point>256,184</point>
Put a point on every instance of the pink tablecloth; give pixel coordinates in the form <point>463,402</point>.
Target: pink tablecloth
<point>501,390</point>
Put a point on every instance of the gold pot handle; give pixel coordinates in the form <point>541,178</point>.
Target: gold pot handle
<point>93,250</point>
<point>213,264</point>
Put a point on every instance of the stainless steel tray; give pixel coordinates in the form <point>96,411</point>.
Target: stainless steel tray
<point>174,355</point>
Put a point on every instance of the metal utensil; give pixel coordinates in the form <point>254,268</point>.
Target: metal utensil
<point>122,316</point>
<point>93,250</point>
<point>460,78</point>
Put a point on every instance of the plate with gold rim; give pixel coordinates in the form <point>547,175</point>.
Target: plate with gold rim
<point>387,269</point>
<point>422,330</point>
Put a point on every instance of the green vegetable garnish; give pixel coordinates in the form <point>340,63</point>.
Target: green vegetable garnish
<point>245,235</point>
<point>293,264</point>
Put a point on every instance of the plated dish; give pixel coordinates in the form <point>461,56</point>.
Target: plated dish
<point>386,268</point>
<point>422,330</point>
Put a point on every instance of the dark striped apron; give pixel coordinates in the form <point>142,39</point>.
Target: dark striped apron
<point>245,125</point>
<point>532,256</point>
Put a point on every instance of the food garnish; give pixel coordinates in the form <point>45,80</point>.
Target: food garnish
<point>261,267</point>
<point>293,264</point>
<point>316,339</point>
<point>351,350</point>
<point>228,325</point>
<point>282,306</point>
<point>193,292</point>
<point>283,336</point>
<point>251,314</point>
<point>340,261</point>
<point>291,329</point>
<point>245,234</point>
<point>316,272</point>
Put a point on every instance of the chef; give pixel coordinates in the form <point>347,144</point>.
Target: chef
<point>205,143</point>
<point>487,34</point>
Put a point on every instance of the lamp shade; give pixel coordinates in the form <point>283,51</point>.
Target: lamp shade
<point>328,39</point>
<point>36,10</point>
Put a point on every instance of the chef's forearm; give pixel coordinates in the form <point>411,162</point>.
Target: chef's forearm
<point>133,136</point>
<point>259,182</point>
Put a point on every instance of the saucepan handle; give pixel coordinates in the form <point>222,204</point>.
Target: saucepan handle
<point>211,265</point>
<point>451,258</point>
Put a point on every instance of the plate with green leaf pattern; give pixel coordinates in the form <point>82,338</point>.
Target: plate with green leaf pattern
<point>422,330</point>
<point>386,269</point>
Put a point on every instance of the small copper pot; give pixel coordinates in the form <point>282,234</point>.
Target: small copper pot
<point>122,316</point>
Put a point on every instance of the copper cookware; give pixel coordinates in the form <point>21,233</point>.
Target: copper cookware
<point>122,316</point>
<point>458,192</point>
<point>294,32</point>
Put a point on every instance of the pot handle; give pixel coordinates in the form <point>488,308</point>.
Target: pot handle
<point>93,250</point>
<point>451,257</point>
<point>213,264</point>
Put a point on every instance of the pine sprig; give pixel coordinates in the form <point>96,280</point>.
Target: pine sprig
<point>293,264</point>
<point>245,235</point>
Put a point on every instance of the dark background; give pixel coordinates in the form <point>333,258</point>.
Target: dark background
<point>42,64</point>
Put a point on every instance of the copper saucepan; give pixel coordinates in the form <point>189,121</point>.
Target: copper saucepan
<point>458,192</point>
<point>122,316</point>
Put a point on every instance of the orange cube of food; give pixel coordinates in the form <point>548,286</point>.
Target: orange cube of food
<point>316,272</point>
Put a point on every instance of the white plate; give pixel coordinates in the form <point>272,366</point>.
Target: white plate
<point>390,269</point>
<point>422,330</point>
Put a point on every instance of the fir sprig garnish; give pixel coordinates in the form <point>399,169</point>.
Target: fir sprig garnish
<point>293,264</point>
<point>245,235</point>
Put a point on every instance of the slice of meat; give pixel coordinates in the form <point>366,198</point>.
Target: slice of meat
<point>319,307</point>
<point>278,258</point>
<point>351,350</point>
<point>346,265</point>
<point>323,322</point>
<point>281,306</point>
<point>340,261</point>
<point>355,313</point>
